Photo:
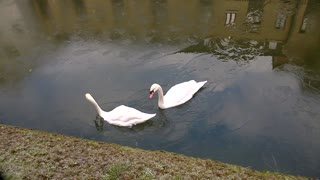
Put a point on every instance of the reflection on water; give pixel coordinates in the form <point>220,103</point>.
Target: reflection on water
<point>260,107</point>
<point>240,50</point>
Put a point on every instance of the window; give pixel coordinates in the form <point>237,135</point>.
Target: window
<point>304,25</point>
<point>281,21</point>
<point>230,17</point>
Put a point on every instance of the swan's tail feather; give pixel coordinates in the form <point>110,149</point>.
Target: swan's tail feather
<point>202,83</point>
<point>150,116</point>
<point>147,116</point>
<point>198,86</point>
<point>91,99</point>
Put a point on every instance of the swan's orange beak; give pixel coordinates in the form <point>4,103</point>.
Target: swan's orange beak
<point>151,94</point>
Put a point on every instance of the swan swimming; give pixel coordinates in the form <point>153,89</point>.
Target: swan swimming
<point>177,94</point>
<point>121,115</point>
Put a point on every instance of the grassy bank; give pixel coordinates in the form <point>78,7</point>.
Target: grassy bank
<point>28,154</point>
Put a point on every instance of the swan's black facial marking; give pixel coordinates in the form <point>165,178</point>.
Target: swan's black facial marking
<point>151,94</point>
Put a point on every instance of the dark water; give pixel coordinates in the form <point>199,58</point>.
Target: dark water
<point>260,107</point>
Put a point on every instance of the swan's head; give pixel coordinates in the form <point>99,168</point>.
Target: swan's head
<point>153,89</point>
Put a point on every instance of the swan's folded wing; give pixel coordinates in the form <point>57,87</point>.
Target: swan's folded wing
<point>130,115</point>
<point>179,91</point>
<point>182,92</point>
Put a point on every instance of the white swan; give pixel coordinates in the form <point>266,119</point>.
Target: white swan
<point>178,94</point>
<point>121,115</point>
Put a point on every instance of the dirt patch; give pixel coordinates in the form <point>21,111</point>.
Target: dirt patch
<point>29,154</point>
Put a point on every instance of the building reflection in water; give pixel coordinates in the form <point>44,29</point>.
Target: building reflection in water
<point>230,30</point>
<point>273,23</point>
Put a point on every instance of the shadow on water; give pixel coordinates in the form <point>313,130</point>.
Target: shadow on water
<point>260,107</point>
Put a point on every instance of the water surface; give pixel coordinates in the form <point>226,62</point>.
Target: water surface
<point>260,107</point>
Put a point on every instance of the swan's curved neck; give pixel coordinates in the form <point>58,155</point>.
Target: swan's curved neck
<point>160,94</point>
<point>95,104</point>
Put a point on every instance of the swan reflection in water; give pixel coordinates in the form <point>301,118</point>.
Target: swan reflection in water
<point>99,123</point>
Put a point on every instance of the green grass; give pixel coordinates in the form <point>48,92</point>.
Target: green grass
<point>114,172</point>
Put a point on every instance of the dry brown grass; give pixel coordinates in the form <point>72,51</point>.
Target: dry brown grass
<point>28,154</point>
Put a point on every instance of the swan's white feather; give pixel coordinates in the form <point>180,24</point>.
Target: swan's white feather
<point>121,115</point>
